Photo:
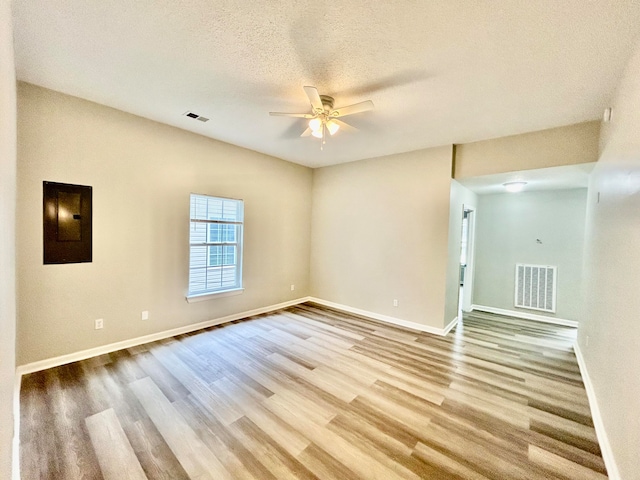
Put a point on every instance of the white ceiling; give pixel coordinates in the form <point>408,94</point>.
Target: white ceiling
<point>439,71</point>
<point>553,178</point>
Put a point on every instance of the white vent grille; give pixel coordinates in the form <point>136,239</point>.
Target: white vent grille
<point>536,287</point>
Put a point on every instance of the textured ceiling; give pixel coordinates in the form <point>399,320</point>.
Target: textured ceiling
<point>439,72</point>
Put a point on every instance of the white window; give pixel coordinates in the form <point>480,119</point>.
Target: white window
<point>215,244</point>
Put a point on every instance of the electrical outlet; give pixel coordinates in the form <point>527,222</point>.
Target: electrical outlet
<point>99,323</point>
<point>395,302</point>
<point>293,287</point>
<point>145,315</point>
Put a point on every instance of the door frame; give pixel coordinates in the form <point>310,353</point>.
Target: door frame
<point>467,289</point>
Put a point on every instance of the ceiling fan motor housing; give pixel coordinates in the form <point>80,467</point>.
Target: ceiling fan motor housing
<point>327,102</point>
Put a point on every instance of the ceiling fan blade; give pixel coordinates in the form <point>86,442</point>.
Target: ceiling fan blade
<point>306,133</point>
<point>345,127</point>
<point>297,115</point>
<point>351,109</point>
<point>314,98</point>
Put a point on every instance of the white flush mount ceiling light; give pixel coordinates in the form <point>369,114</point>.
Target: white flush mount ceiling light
<point>323,117</point>
<point>514,187</point>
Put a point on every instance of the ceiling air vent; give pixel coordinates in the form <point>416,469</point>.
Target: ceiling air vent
<point>196,116</point>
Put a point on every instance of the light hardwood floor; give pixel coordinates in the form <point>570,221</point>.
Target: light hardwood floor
<point>310,392</point>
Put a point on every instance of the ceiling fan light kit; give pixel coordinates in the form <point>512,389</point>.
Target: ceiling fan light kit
<point>332,126</point>
<point>315,124</point>
<point>324,118</point>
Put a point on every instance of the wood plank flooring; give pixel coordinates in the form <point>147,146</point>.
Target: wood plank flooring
<point>313,393</point>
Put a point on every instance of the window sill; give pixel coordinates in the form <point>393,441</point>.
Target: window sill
<point>210,296</point>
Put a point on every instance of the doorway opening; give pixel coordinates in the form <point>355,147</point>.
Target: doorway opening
<point>466,260</point>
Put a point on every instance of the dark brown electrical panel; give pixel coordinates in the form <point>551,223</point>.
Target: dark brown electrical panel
<point>66,223</point>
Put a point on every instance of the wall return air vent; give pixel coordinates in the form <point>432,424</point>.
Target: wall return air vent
<point>536,287</point>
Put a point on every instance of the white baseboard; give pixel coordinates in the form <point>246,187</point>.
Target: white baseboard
<point>112,347</point>
<point>452,324</point>
<point>603,439</point>
<point>526,315</point>
<point>385,318</point>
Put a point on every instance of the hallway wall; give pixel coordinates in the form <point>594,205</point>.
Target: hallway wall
<point>508,228</point>
<point>609,336</point>
<point>7,237</point>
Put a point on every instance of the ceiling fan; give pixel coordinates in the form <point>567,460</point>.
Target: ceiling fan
<point>323,117</point>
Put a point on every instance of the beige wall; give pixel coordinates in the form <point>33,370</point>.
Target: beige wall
<point>379,232</point>
<point>7,236</point>
<point>573,144</point>
<point>609,336</point>
<point>460,197</point>
<point>142,173</point>
<point>508,227</point>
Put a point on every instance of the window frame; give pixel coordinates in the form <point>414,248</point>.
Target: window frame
<point>238,223</point>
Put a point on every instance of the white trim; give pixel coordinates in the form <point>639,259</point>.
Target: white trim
<point>603,439</point>
<point>384,318</point>
<point>15,452</point>
<point>469,274</point>
<point>449,327</point>
<point>526,315</point>
<point>112,347</point>
<point>201,297</point>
